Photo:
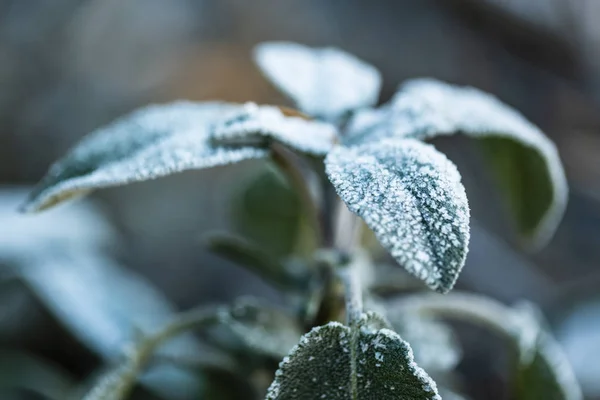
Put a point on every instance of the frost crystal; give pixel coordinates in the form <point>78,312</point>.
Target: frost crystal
<point>253,121</point>
<point>522,155</point>
<point>323,82</point>
<point>412,197</point>
<point>152,142</point>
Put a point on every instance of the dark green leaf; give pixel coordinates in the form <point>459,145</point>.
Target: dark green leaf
<point>337,362</point>
<point>247,254</point>
<point>268,211</point>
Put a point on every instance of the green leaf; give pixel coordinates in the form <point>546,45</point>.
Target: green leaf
<point>412,197</point>
<point>149,143</point>
<point>268,211</point>
<point>435,346</point>
<point>548,376</point>
<point>60,256</point>
<point>337,362</point>
<point>525,161</point>
<point>324,82</point>
<point>253,123</point>
<point>545,371</point>
<point>247,254</point>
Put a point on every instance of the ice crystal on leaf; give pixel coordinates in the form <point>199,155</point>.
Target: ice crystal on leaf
<point>524,159</point>
<point>340,363</point>
<point>253,121</point>
<point>149,143</point>
<point>324,82</point>
<point>412,197</point>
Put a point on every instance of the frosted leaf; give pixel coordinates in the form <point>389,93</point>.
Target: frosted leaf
<point>525,160</point>
<point>254,122</point>
<point>149,143</point>
<point>412,197</point>
<point>340,363</point>
<point>266,330</point>
<point>324,82</point>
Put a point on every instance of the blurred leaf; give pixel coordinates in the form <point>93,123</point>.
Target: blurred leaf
<point>412,197</point>
<point>338,362</point>
<point>60,256</point>
<point>268,212</point>
<point>149,143</point>
<point>22,371</point>
<point>260,328</point>
<point>250,256</point>
<point>323,82</point>
<point>524,159</point>
<point>542,370</point>
<point>434,345</point>
<point>253,123</point>
<point>546,374</point>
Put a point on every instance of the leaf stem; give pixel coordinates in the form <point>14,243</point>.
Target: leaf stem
<point>117,384</point>
<point>283,158</point>
<point>509,322</point>
<point>352,293</point>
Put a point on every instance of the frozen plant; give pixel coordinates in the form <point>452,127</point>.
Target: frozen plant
<point>356,172</point>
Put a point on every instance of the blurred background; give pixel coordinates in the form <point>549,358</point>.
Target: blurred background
<point>70,66</point>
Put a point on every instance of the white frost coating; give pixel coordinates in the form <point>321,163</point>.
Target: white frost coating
<point>149,143</point>
<point>308,136</point>
<point>324,82</point>
<point>412,197</point>
<point>424,108</point>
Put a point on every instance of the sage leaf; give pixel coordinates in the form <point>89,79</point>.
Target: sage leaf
<point>256,123</point>
<point>267,330</point>
<point>149,143</point>
<point>61,257</point>
<point>248,255</point>
<point>434,345</point>
<point>412,197</point>
<point>20,370</point>
<point>268,211</point>
<point>341,363</point>
<point>549,375</point>
<point>324,82</point>
<point>525,161</point>
<point>545,372</point>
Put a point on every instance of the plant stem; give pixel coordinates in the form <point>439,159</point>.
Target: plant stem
<point>346,230</point>
<point>353,295</point>
<point>117,384</point>
<point>479,310</point>
<point>283,158</point>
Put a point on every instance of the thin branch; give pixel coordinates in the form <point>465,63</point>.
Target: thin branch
<point>117,384</point>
